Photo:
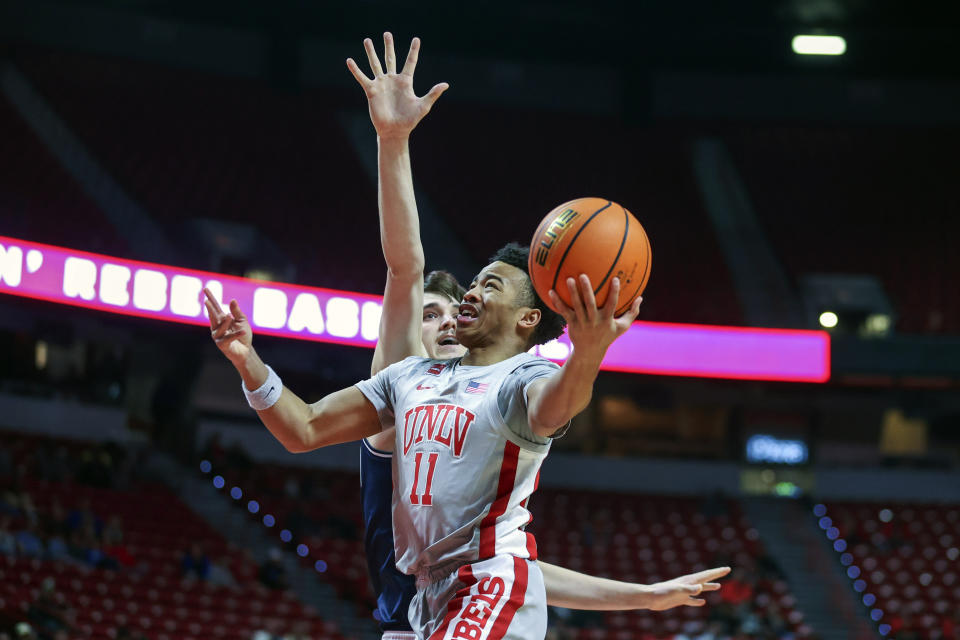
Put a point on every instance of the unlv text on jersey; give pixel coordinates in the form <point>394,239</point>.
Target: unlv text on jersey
<point>443,423</point>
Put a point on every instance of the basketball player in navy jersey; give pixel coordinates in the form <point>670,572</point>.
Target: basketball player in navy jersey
<point>419,318</point>
<point>471,434</point>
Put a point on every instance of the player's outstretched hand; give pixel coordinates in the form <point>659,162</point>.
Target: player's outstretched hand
<point>589,326</point>
<point>683,591</point>
<point>230,331</point>
<point>394,108</point>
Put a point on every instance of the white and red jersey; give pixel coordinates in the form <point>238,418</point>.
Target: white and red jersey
<point>465,461</point>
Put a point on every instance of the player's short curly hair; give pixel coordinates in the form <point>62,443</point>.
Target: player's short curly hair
<point>551,323</point>
<point>443,283</point>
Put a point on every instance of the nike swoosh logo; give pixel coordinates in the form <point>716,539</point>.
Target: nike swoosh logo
<point>420,387</point>
<point>271,390</point>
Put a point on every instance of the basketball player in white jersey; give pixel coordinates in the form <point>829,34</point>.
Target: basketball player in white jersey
<point>419,319</point>
<point>471,434</point>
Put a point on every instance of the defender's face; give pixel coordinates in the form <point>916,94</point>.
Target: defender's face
<point>490,308</point>
<point>439,327</point>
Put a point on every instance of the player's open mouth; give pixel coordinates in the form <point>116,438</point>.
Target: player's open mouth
<point>449,340</point>
<point>468,313</point>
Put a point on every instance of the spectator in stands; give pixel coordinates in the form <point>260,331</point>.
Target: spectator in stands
<point>113,546</point>
<point>81,516</point>
<point>951,625</point>
<point>775,623</point>
<point>195,563</point>
<point>29,542</point>
<point>272,574</point>
<point>738,590</point>
<point>906,628</point>
<point>50,614</point>
<point>84,544</point>
<point>8,543</point>
<point>28,509</point>
<point>713,631</point>
<point>57,549</point>
<point>220,573</point>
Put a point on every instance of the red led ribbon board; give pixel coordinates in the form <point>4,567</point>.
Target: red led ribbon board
<point>172,294</point>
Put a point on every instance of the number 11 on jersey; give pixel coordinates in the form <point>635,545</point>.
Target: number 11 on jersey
<point>427,498</point>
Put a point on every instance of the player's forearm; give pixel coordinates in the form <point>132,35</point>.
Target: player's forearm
<point>289,422</point>
<point>565,393</point>
<point>573,590</point>
<point>399,221</point>
<point>289,418</point>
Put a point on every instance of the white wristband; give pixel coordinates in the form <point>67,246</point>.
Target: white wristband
<point>267,394</point>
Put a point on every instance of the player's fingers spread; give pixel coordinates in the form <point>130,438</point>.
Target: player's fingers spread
<point>586,293</point>
<point>576,303</point>
<point>211,314</point>
<point>389,56</point>
<point>213,299</point>
<point>372,58</point>
<point>710,574</point>
<point>634,311</point>
<point>696,602</point>
<point>435,93</point>
<point>613,298</point>
<point>411,64</point>
<point>561,306</point>
<point>235,310</point>
<point>711,586</point>
<point>357,73</point>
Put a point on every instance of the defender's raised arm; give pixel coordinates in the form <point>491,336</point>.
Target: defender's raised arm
<point>395,111</point>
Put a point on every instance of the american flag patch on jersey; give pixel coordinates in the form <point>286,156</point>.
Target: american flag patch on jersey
<point>476,387</point>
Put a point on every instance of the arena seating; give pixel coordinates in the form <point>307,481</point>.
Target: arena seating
<point>637,538</point>
<point>906,556</point>
<point>35,190</point>
<point>862,200</point>
<point>320,508</point>
<point>648,538</point>
<point>151,597</point>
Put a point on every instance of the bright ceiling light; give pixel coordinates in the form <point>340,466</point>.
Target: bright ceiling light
<point>828,319</point>
<point>819,45</point>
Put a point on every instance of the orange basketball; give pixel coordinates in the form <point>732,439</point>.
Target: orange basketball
<point>596,237</point>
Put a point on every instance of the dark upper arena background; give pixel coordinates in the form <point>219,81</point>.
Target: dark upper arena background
<point>141,498</point>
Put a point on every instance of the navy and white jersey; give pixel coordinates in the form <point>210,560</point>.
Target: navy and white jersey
<point>465,458</point>
<point>394,589</point>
